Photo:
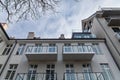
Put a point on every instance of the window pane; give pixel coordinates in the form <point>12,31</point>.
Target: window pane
<point>8,74</point>
<point>106,72</point>
<point>12,75</point>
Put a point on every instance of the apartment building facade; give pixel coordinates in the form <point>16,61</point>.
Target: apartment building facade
<point>84,56</point>
<point>105,23</point>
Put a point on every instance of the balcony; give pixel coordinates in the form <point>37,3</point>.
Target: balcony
<point>36,76</point>
<point>41,53</point>
<point>80,53</point>
<point>84,76</point>
<point>114,21</point>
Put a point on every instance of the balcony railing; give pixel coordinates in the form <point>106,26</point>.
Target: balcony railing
<point>36,76</point>
<point>84,76</point>
<point>41,53</point>
<point>41,49</point>
<point>79,53</point>
<point>78,49</point>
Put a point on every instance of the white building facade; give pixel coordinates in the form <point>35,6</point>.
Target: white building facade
<point>82,57</point>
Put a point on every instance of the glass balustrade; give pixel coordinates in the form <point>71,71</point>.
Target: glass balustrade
<point>41,49</point>
<point>36,76</point>
<point>84,76</point>
<point>78,49</point>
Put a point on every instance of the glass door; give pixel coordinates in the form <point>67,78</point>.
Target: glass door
<point>107,72</point>
<point>32,72</point>
<point>70,74</point>
<point>87,72</point>
<point>50,72</point>
<point>52,48</point>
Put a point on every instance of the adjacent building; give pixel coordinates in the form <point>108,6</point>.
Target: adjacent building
<point>84,56</point>
<point>106,24</point>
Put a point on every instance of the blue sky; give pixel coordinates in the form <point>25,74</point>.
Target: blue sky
<point>68,18</point>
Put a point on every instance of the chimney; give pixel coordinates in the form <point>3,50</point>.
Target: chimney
<point>30,35</point>
<point>62,36</point>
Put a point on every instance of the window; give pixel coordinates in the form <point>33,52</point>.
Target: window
<point>50,72</point>
<point>7,50</point>
<point>106,72</point>
<point>29,49</point>
<point>96,48</point>
<point>38,48</point>
<point>77,35</point>
<point>87,70</point>
<point>20,49</point>
<point>82,47</point>
<point>52,48</point>
<point>116,29</point>
<point>32,72</point>
<point>67,48</point>
<point>11,72</point>
<point>70,75</point>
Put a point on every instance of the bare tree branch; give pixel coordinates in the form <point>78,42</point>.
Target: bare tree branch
<point>27,9</point>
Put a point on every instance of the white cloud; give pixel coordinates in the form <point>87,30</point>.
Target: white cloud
<point>69,17</point>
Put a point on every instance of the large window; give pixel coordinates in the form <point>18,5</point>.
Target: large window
<point>38,48</point>
<point>32,72</point>
<point>70,74</point>
<point>52,48</point>
<point>67,47</point>
<point>20,49</point>
<point>87,70</point>
<point>106,72</point>
<point>96,48</point>
<point>7,49</point>
<point>11,72</point>
<point>50,72</point>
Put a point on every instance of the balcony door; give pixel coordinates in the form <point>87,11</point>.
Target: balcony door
<point>32,72</point>
<point>52,48</point>
<point>67,47</point>
<point>70,74</point>
<point>50,72</point>
<point>86,72</point>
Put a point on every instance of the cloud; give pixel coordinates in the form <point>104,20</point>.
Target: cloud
<point>69,17</point>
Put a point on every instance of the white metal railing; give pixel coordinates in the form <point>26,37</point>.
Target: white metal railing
<point>84,76</point>
<point>41,49</point>
<point>78,49</point>
<point>36,76</point>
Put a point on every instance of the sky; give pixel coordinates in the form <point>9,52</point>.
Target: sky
<point>68,19</point>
